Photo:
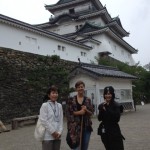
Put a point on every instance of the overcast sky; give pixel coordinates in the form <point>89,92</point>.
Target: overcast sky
<point>134,16</point>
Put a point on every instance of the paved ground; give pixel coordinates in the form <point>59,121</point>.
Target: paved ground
<point>135,127</point>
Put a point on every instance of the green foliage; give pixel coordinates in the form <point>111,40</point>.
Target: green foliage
<point>50,72</point>
<point>55,58</point>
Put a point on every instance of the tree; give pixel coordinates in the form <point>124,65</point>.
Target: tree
<point>147,66</point>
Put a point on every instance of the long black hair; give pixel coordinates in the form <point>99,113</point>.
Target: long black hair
<point>109,89</point>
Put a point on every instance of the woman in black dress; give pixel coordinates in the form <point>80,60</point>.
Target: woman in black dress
<point>109,116</point>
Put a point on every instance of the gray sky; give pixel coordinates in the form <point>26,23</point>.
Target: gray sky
<point>134,16</point>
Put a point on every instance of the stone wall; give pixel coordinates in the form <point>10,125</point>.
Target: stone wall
<point>19,96</point>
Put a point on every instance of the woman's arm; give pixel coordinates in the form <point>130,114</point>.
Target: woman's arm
<point>88,112</point>
<point>61,120</point>
<point>88,107</point>
<point>79,113</point>
<point>101,111</point>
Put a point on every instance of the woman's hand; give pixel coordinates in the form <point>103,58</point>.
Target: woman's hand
<point>104,106</point>
<point>56,135</point>
<point>86,110</point>
<point>82,111</point>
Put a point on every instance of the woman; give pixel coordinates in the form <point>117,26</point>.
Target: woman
<point>79,111</point>
<point>109,115</point>
<point>51,116</point>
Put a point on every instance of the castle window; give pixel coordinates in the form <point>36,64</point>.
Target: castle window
<point>63,48</point>
<point>83,54</point>
<point>59,47</point>
<point>76,27</point>
<point>80,25</point>
<point>71,11</point>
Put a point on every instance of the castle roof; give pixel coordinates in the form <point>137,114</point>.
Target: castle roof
<point>65,3</point>
<point>89,29</point>
<point>97,71</point>
<point>115,23</point>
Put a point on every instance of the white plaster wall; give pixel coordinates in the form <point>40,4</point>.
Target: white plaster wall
<point>27,41</point>
<point>118,51</point>
<point>24,40</point>
<point>89,81</point>
<point>76,8</point>
<point>66,27</point>
<point>83,7</point>
<point>69,27</point>
<point>108,44</point>
<point>94,52</point>
<point>117,83</point>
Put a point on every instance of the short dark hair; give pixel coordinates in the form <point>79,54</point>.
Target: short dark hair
<point>79,83</point>
<point>51,88</point>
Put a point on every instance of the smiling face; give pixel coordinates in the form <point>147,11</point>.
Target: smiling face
<point>80,89</point>
<point>109,94</point>
<point>53,96</point>
<point>108,97</point>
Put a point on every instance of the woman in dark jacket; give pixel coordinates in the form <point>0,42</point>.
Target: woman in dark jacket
<point>109,116</point>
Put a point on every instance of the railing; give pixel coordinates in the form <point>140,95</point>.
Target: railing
<point>127,105</point>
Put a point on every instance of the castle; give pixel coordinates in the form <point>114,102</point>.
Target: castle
<point>78,30</point>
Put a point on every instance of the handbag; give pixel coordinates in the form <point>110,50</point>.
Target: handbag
<point>70,143</point>
<point>101,129</point>
<point>39,131</point>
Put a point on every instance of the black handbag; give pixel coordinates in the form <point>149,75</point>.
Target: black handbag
<point>70,143</point>
<point>101,129</point>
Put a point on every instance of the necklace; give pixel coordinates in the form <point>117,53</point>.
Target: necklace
<point>55,111</point>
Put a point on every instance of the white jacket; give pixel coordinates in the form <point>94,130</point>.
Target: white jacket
<point>51,116</point>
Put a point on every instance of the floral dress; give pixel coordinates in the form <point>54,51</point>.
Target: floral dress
<point>74,122</point>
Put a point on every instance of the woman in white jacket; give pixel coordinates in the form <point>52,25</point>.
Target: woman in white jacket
<point>51,116</point>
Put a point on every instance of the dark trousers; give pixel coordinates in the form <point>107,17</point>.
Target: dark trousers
<point>51,145</point>
<point>112,143</point>
<point>85,140</point>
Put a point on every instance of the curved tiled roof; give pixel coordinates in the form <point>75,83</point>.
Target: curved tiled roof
<point>63,1</point>
<point>54,20</point>
<point>102,71</point>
